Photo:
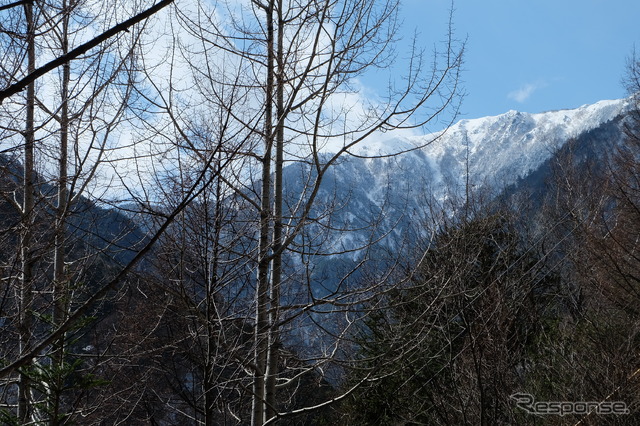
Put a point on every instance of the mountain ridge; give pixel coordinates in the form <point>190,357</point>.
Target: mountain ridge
<point>534,136</point>
<point>490,154</point>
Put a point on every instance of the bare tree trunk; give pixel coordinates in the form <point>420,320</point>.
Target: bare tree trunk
<point>262,285</point>
<point>276,269</point>
<point>60,296</point>
<point>211,311</point>
<point>28,203</point>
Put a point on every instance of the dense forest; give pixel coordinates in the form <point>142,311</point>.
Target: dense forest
<point>174,247</point>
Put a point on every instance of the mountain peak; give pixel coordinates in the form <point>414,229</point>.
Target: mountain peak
<point>494,151</point>
<point>492,144</point>
<point>490,153</point>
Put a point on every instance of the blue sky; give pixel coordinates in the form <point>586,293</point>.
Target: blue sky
<point>534,55</point>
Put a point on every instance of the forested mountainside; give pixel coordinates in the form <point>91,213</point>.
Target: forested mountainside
<point>207,217</point>
<point>462,264</point>
<point>384,198</point>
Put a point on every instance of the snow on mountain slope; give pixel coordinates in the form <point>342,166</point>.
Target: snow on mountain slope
<point>506,147</point>
<point>497,151</point>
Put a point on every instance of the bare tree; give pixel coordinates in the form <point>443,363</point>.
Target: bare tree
<point>278,78</point>
<point>592,210</point>
<point>71,117</point>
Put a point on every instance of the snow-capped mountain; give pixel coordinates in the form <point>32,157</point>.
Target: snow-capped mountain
<point>500,149</point>
<point>512,145</point>
<point>378,196</point>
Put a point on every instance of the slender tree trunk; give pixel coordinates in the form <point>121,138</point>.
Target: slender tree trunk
<point>262,285</point>
<point>28,203</point>
<point>212,314</point>
<point>60,296</point>
<point>209,362</point>
<point>276,272</point>
<point>208,382</point>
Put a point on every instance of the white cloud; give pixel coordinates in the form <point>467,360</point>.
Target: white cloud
<point>525,92</point>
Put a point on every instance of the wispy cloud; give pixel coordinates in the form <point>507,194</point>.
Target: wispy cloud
<point>523,93</point>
